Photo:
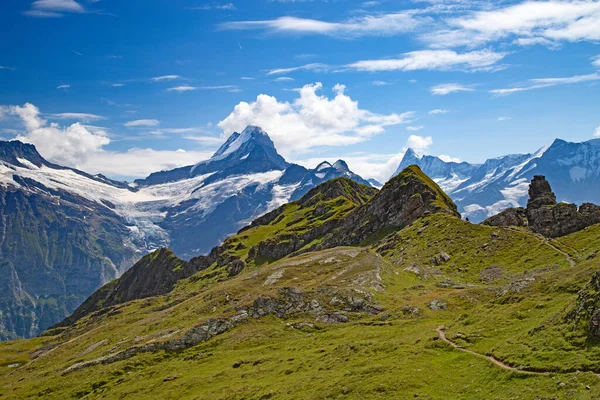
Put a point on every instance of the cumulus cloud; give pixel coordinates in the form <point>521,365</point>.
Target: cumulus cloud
<point>442,60</point>
<point>311,120</point>
<point>142,123</point>
<point>447,88</point>
<point>70,145</point>
<point>597,133</point>
<point>420,144</point>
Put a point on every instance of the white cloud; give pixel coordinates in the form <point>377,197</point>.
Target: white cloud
<point>247,78</point>
<point>306,67</point>
<point>183,88</point>
<point>447,88</point>
<point>311,120</point>
<point>54,8</point>
<point>414,128</point>
<point>504,118</point>
<point>530,20</point>
<point>142,123</point>
<point>438,111</point>
<point>597,133</point>
<point>214,6</point>
<point>64,145</point>
<point>187,88</point>
<point>117,84</point>
<point>447,158</point>
<point>63,87</point>
<point>366,25</point>
<point>165,78</point>
<point>84,117</point>
<point>139,162</point>
<point>432,60</point>
<point>8,68</point>
<point>540,83</point>
<point>596,61</point>
<point>380,83</point>
<point>284,79</point>
<point>420,144</point>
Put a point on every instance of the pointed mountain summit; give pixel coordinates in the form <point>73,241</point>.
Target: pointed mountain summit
<point>324,172</point>
<point>251,151</point>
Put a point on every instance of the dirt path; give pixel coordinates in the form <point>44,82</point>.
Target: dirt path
<point>567,255</point>
<point>495,361</point>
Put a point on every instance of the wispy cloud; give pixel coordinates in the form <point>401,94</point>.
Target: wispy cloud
<point>187,88</point>
<point>432,60</point>
<point>214,6</point>
<point>306,67</point>
<point>284,79</point>
<point>8,68</point>
<point>447,88</point>
<point>535,22</point>
<point>63,86</point>
<point>380,83</point>
<point>504,118</point>
<point>414,128</point>
<point>368,25</point>
<point>438,111</point>
<point>165,78</point>
<point>596,61</point>
<point>540,83</point>
<point>142,123</point>
<point>182,88</point>
<point>85,117</point>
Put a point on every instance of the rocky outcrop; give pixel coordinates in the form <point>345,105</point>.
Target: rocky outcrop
<point>405,198</point>
<point>545,216</point>
<point>508,217</point>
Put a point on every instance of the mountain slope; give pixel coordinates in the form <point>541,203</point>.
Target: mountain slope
<point>294,327</point>
<point>68,232</point>
<point>481,191</point>
<point>56,247</point>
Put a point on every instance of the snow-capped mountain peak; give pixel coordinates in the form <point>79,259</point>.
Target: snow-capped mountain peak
<point>341,166</point>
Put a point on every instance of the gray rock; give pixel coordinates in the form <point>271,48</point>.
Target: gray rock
<point>438,305</point>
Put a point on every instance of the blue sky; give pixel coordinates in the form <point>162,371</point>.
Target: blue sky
<point>130,87</point>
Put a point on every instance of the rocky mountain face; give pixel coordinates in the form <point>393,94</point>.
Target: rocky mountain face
<point>483,190</point>
<point>66,232</point>
<point>545,216</point>
<point>56,247</point>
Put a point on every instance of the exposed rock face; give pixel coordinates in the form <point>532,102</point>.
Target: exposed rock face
<point>540,193</point>
<point>154,275</point>
<point>405,198</point>
<point>543,215</point>
<point>587,311</point>
<point>509,217</point>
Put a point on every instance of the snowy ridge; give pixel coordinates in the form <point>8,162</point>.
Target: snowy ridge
<point>483,190</point>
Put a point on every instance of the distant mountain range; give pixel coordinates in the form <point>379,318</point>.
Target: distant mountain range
<point>64,233</point>
<point>483,190</point>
